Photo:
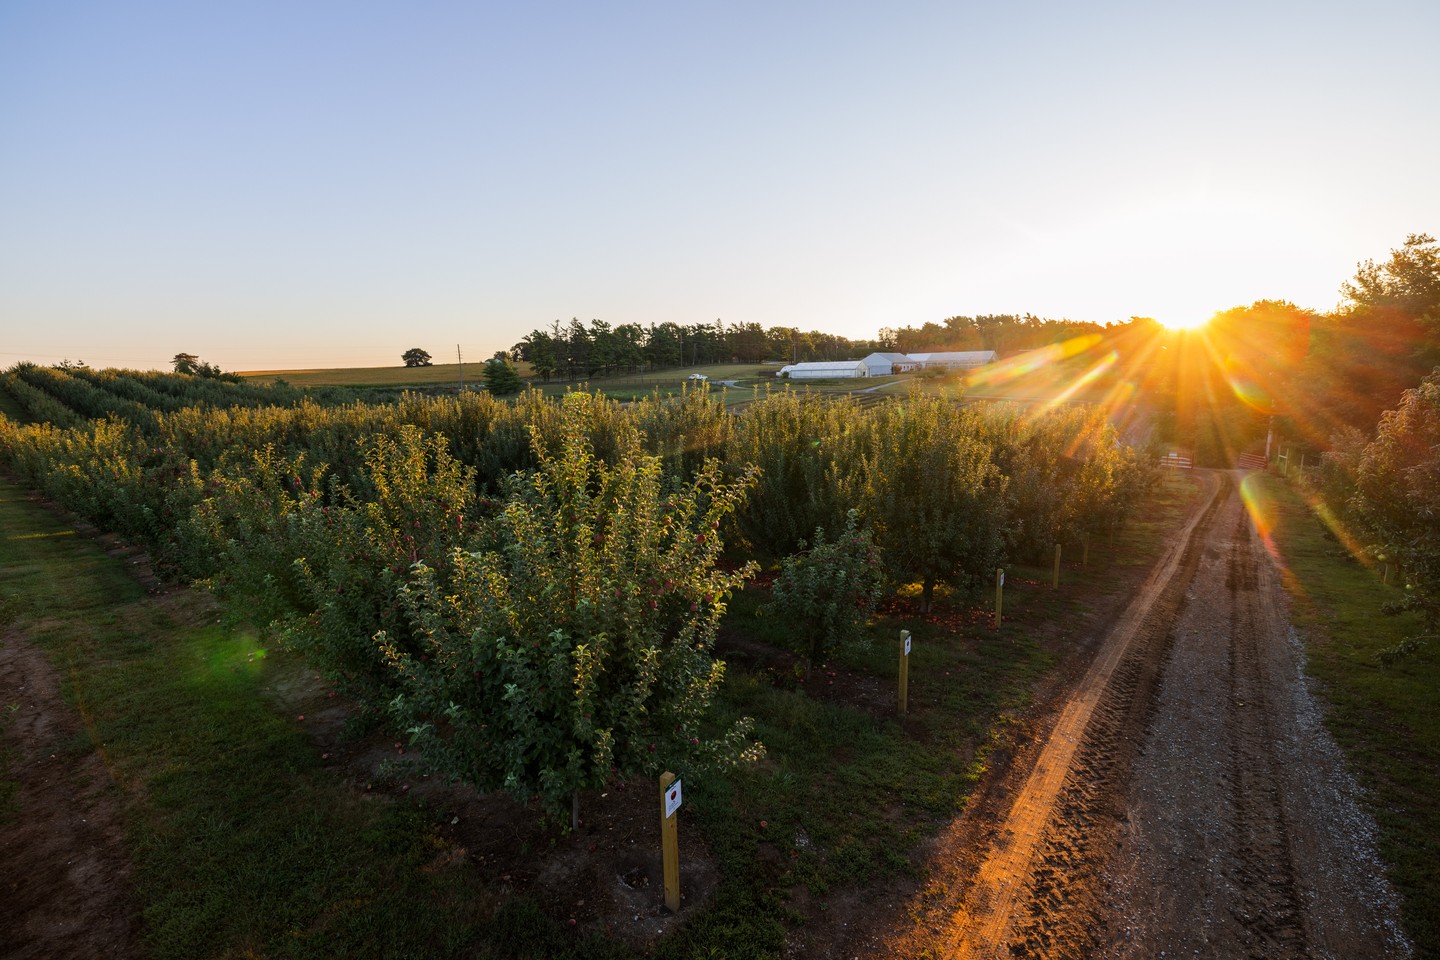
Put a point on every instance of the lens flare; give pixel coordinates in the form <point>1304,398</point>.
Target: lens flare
<point>1082,381</point>
<point>1031,361</point>
<point>1262,513</point>
<point>1245,387</point>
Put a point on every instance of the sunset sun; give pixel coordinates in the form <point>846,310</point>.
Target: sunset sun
<point>1189,322</point>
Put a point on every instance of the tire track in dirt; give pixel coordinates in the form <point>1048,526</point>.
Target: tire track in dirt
<point>1243,835</point>
<point>1038,888</point>
<point>1266,907</point>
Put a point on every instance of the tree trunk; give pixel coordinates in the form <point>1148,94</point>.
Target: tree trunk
<point>927,594</point>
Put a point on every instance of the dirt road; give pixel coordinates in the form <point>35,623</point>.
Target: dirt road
<point>1187,801</point>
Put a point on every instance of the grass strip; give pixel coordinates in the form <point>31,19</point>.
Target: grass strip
<point>1385,718</point>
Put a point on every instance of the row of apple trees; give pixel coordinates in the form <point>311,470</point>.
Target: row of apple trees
<point>1386,491</point>
<point>532,589</point>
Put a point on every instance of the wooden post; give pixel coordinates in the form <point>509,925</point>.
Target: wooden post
<point>1385,573</point>
<point>669,847</point>
<point>999,594</point>
<point>904,669</point>
<point>1055,580</point>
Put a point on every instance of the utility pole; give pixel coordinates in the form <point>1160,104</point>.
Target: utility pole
<point>462,367</point>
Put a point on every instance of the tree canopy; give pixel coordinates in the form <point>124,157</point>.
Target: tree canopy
<point>415,357</point>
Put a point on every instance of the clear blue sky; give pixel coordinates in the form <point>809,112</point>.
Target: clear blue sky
<point>283,185</point>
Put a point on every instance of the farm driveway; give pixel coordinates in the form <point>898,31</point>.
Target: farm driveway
<point>1187,802</point>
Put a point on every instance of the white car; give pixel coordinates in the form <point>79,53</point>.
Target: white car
<point>697,376</point>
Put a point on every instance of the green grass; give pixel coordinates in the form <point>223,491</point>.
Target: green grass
<point>1387,720</point>
<point>244,845</point>
<point>638,385</point>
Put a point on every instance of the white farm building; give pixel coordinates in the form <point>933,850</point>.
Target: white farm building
<point>884,364</point>
<point>963,360</point>
<point>825,370</point>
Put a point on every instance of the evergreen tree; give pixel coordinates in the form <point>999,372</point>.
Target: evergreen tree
<point>501,378</point>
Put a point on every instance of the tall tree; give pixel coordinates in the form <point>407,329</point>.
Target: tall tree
<point>540,350</point>
<point>663,347</point>
<point>415,357</point>
<point>630,346</point>
<point>1408,282</point>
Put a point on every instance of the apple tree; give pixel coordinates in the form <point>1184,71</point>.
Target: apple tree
<point>578,645</point>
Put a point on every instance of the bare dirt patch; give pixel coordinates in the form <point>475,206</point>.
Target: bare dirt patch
<point>65,886</point>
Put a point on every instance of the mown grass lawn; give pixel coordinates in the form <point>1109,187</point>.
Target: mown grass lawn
<point>1385,718</point>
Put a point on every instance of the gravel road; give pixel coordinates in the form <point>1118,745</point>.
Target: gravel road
<point>1188,801</point>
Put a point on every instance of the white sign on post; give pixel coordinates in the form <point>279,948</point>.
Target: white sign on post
<point>1002,578</point>
<point>672,799</point>
<point>907,644</point>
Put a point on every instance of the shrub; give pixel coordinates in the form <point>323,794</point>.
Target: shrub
<point>827,591</point>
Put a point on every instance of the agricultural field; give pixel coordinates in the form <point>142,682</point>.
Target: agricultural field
<point>313,667</point>
<point>791,743</point>
<point>449,374</point>
<point>435,375</point>
<point>742,380</point>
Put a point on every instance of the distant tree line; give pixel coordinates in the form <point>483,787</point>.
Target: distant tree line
<point>597,348</point>
<point>1005,333</point>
